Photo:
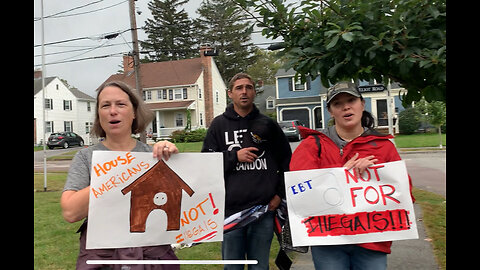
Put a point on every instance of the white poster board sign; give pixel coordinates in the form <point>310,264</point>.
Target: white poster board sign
<point>335,206</point>
<point>136,200</point>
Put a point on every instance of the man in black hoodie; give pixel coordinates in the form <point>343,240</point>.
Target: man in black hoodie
<point>256,154</point>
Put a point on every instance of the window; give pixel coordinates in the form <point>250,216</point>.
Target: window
<point>185,93</point>
<point>382,115</point>
<point>270,104</point>
<point>164,94</point>
<point>159,94</point>
<point>48,126</point>
<point>297,85</point>
<point>68,126</point>
<point>179,120</point>
<point>149,95</point>
<point>67,105</point>
<point>88,127</point>
<point>89,107</point>
<point>170,94</point>
<point>317,114</point>
<point>199,93</point>
<point>216,96</point>
<point>49,104</point>
<point>201,119</point>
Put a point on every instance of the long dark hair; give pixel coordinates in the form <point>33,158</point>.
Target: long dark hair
<point>367,120</point>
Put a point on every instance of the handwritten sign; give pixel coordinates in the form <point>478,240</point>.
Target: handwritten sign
<point>137,200</point>
<point>337,206</point>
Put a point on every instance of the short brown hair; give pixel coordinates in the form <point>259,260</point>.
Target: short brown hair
<point>239,76</point>
<point>143,115</point>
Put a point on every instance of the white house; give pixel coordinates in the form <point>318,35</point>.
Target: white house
<point>177,90</point>
<point>65,109</point>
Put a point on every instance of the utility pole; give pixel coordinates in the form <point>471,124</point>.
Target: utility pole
<point>136,56</point>
<point>43,102</point>
<point>389,108</point>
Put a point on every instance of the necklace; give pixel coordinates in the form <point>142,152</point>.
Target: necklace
<point>348,139</point>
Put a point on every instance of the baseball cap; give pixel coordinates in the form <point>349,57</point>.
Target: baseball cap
<point>342,87</point>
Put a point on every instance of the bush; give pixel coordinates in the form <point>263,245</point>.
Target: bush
<point>192,136</point>
<point>408,121</point>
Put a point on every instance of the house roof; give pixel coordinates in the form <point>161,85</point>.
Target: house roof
<point>162,74</point>
<point>37,86</point>
<point>169,105</point>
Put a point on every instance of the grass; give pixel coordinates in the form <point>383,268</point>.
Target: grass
<point>189,147</point>
<point>419,140</point>
<point>434,208</point>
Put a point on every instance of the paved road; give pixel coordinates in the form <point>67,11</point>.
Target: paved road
<point>427,170</point>
<point>52,166</point>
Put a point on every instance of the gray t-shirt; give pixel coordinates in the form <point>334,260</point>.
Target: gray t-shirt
<point>79,173</point>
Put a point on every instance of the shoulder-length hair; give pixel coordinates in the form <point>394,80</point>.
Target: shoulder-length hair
<point>143,115</point>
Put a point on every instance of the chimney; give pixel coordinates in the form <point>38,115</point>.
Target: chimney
<point>37,74</point>
<point>127,64</point>
<point>206,59</point>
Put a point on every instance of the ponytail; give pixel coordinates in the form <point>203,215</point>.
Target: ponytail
<point>367,120</point>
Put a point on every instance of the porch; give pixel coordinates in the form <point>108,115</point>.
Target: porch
<point>170,116</point>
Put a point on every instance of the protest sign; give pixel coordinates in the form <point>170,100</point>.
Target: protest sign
<point>137,200</point>
<point>336,206</point>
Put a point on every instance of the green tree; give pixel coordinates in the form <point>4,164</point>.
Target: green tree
<point>401,40</point>
<point>266,65</point>
<point>223,27</point>
<point>169,33</point>
<point>437,116</point>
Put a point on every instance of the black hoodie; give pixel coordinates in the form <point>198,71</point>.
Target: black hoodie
<point>249,184</point>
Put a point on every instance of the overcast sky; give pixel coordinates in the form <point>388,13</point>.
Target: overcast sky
<point>108,16</point>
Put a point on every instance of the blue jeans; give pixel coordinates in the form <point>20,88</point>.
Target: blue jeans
<point>346,257</point>
<point>253,240</point>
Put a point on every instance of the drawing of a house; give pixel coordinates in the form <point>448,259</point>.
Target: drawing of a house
<point>158,188</point>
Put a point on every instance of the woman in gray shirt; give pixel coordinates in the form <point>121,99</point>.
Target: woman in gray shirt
<point>119,113</point>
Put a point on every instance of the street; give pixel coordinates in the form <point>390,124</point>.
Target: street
<point>52,166</point>
<point>427,169</point>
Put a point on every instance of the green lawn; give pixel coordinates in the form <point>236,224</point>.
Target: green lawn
<point>434,208</point>
<point>420,140</point>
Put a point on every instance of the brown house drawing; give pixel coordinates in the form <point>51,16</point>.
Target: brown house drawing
<point>158,188</point>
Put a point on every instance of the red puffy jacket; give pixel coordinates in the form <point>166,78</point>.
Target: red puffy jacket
<point>305,157</point>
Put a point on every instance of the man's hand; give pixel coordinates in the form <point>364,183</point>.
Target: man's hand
<point>274,203</point>
<point>246,154</point>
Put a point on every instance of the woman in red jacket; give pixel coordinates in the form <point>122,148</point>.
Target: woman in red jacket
<point>353,143</point>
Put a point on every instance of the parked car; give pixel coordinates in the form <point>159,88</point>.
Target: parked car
<point>64,139</point>
<point>290,129</point>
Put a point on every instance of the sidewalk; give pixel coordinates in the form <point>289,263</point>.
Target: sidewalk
<point>421,149</point>
<point>406,254</point>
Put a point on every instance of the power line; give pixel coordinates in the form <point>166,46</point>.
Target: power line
<point>87,12</point>
<point>65,11</point>
<point>109,35</point>
<point>82,59</point>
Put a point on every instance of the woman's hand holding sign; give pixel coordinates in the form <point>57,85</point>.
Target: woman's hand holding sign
<point>359,165</point>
